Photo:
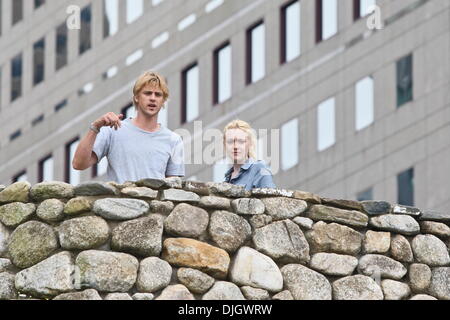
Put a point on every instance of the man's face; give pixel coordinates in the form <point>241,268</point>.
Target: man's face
<point>149,100</point>
<point>237,145</point>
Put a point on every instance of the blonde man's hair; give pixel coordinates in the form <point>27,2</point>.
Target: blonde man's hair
<point>152,78</point>
<point>244,126</point>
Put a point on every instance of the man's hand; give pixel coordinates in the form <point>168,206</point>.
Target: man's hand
<point>110,119</point>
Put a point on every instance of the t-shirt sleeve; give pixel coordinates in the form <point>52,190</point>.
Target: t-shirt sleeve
<point>102,142</point>
<point>175,165</point>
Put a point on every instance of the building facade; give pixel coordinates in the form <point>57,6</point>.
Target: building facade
<point>352,103</point>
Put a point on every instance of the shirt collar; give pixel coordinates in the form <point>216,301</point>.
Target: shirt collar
<point>248,163</point>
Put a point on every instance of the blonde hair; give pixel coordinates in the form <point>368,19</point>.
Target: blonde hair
<point>244,126</point>
<point>152,78</point>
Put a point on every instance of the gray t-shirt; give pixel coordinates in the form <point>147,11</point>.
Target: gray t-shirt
<point>135,154</point>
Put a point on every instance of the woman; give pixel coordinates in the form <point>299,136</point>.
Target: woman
<point>239,142</point>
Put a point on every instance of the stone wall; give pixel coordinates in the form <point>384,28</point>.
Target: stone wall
<point>174,239</point>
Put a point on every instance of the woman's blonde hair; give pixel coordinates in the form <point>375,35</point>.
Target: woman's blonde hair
<point>152,78</point>
<point>244,126</point>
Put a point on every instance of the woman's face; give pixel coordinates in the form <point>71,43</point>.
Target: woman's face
<point>237,144</point>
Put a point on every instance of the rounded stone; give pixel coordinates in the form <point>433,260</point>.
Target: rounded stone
<point>228,230</point>
<point>422,297</point>
<point>94,188</point>
<point>17,192</point>
<point>118,296</point>
<point>187,221</point>
<point>395,290</point>
<point>260,220</point>
<point>248,206</point>
<point>213,202</point>
<point>13,214</point>
<point>430,250</point>
<point>5,264</point>
<point>78,205</point>
<point>51,190</point>
<point>419,277</point>
<point>440,283</point>
<point>305,284</point>
<point>162,207</point>
<point>83,233</point>
<point>334,264</point>
<point>357,287</point>
<point>347,217</point>
<point>195,280</point>
<point>51,210</point>
<point>251,293</point>
<point>436,228</point>
<point>120,209</point>
<point>397,223</point>
<point>175,292</point>
<point>281,208</point>
<point>382,266</point>
<point>154,274</point>
<point>4,237</point>
<point>143,296</point>
<point>401,249</point>
<point>305,223</point>
<point>223,290</point>
<point>377,242</point>
<point>31,243</point>
<point>283,295</point>
<point>7,288</point>
<point>88,294</point>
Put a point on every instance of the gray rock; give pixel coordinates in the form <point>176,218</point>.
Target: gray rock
<point>343,204</point>
<point>430,250</point>
<point>248,206</point>
<point>107,271</point>
<point>284,208</point>
<point>187,221</point>
<point>347,217</point>
<point>83,233</point>
<point>305,284</point>
<point>200,188</point>
<point>213,202</point>
<point>178,195</point>
<point>436,228</point>
<point>118,296</point>
<point>381,266</point>
<point>228,190</point>
<point>435,216</point>
<point>163,207</point>
<point>143,296</point>
<point>152,183</point>
<point>422,297</point>
<point>31,243</point>
<point>251,293</point>
<point>140,192</point>
<point>305,223</point>
<point>51,190</point>
<point>402,224</point>
<point>94,188</point>
<point>282,241</point>
<point>4,237</point>
<point>307,196</point>
<point>395,290</point>
<point>401,249</point>
<point>228,230</point>
<point>334,238</point>
<point>51,210</point>
<point>376,242</point>
<point>373,208</point>
<point>89,294</point>
<point>142,237</point>
<point>419,277</point>
<point>251,268</point>
<point>223,290</point>
<point>154,274</point>
<point>173,182</point>
<point>401,209</point>
<point>260,220</point>
<point>440,283</point>
<point>175,292</point>
<point>79,205</point>
<point>120,209</point>
<point>333,264</point>
<point>7,289</point>
<point>13,214</point>
<point>17,192</point>
<point>48,278</point>
<point>283,295</point>
<point>195,280</point>
<point>5,264</point>
<point>356,287</point>
<point>269,192</point>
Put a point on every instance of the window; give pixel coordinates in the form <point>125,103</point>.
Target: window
<point>17,11</point>
<point>361,8</point>
<point>85,32</point>
<point>365,195</point>
<point>110,17</point>
<point>190,93</point>
<point>38,3</point>
<point>222,74</point>
<point>21,176</point>
<point>38,61</point>
<point>326,19</point>
<point>404,80</point>
<point>326,124</point>
<point>255,53</point>
<point>16,77</point>
<point>16,134</point>
<point>135,8</point>
<point>290,31</point>
<point>61,46</point>
<point>364,103</point>
<point>289,144</point>
<point>72,175</point>
<point>46,169</point>
<point>405,187</point>
<point>61,105</point>
<point>37,120</point>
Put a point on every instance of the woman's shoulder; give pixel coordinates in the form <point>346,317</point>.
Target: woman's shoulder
<point>262,167</point>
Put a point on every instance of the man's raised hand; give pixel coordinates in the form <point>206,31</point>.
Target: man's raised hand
<point>109,120</point>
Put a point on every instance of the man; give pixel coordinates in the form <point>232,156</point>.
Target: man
<point>136,148</point>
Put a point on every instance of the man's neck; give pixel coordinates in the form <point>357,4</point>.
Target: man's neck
<point>146,123</point>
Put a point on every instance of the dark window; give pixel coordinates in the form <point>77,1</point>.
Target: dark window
<point>37,120</point>
<point>222,73</point>
<point>61,46</point>
<point>45,170</point>
<point>255,52</point>
<point>290,31</point>
<point>85,32</point>
<point>16,77</point>
<point>356,9</point>
<point>71,175</point>
<point>110,17</point>
<point>17,11</point>
<point>365,195</point>
<point>38,3</point>
<point>405,187</point>
<point>326,19</point>
<point>61,105</point>
<point>38,61</point>
<point>361,8</point>
<point>21,176</point>
<point>15,135</point>
<point>404,80</point>
<point>189,93</point>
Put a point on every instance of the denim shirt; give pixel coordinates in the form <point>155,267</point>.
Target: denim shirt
<point>253,174</point>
